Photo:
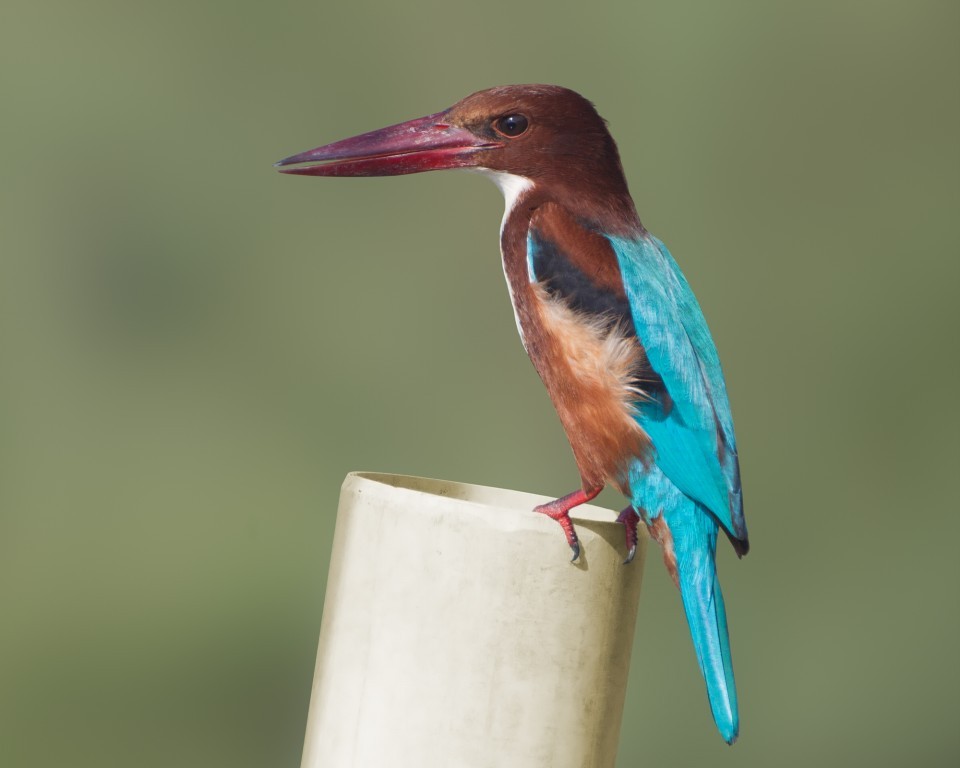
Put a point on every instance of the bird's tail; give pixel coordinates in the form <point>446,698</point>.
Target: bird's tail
<point>695,546</point>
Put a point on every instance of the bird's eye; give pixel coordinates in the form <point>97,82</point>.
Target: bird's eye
<point>511,125</point>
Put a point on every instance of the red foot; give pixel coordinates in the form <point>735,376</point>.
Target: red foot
<point>559,510</point>
<point>630,518</point>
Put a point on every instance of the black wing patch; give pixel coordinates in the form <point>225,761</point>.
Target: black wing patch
<point>562,279</point>
<point>586,277</point>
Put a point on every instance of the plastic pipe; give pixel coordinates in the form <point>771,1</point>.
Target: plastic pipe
<point>456,632</point>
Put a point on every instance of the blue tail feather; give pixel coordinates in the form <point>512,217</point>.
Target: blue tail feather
<point>695,543</point>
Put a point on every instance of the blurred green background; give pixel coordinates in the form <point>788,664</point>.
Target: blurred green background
<point>194,350</point>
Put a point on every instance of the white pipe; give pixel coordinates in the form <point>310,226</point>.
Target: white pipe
<point>457,634</point>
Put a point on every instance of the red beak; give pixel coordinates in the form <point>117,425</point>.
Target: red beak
<point>425,144</point>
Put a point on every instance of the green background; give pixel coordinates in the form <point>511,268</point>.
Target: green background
<point>194,350</point>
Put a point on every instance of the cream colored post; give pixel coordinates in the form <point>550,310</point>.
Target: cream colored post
<point>457,634</point>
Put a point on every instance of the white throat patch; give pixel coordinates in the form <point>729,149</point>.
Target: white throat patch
<point>511,186</point>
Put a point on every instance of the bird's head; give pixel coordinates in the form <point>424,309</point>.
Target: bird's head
<point>542,140</point>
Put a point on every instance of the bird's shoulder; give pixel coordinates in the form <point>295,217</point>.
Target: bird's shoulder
<point>576,265</point>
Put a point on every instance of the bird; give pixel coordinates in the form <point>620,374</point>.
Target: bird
<point>610,324</point>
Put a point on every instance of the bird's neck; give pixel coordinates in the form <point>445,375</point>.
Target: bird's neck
<point>605,208</point>
<point>522,197</point>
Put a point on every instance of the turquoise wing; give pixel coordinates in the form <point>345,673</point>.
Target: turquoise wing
<point>692,432</point>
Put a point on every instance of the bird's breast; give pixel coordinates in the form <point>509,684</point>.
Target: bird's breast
<point>591,363</point>
<point>591,370</point>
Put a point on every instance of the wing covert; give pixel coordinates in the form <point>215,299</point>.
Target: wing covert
<point>694,438</point>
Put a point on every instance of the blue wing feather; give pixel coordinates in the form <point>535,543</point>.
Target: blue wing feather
<point>694,480</point>
<point>693,433</point>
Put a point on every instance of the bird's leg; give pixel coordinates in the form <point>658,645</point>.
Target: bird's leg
<point>559,510</point>
<point>630,518</point>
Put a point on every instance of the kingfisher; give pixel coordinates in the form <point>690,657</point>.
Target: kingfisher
<point>610,324</point>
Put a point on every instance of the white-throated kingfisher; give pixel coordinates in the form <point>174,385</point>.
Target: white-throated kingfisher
<point>610,324</point>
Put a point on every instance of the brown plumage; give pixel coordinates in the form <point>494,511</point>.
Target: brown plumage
<point>590,369</point>
<point>567,152</point>
<point>660,533</point>
<point>590,252</point>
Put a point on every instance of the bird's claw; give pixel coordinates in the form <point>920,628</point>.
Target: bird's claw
<point>629,519</point>
<point>555,511</point>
